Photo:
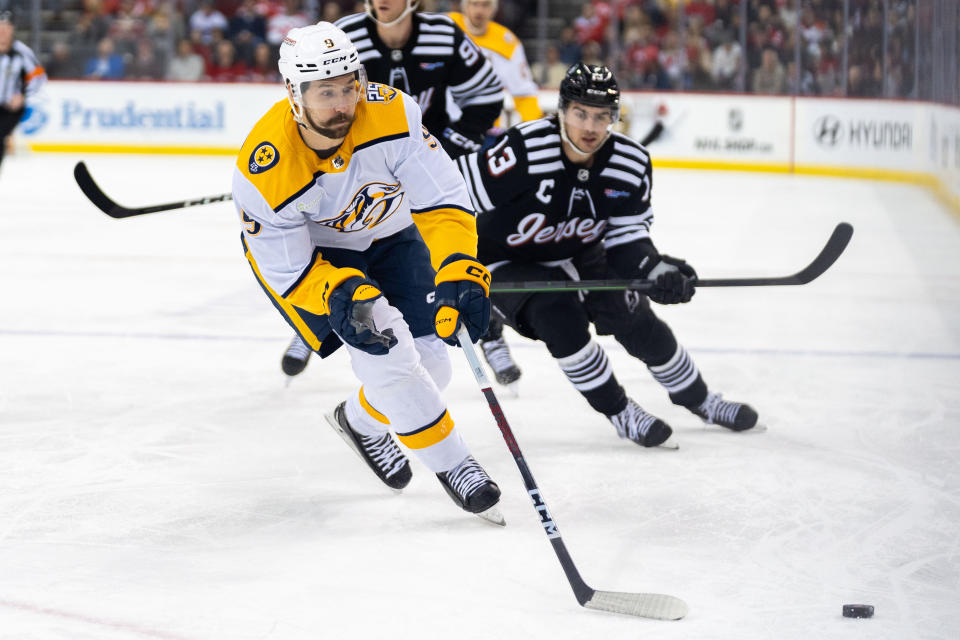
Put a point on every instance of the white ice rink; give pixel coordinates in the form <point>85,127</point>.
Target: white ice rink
<point>158,480</point>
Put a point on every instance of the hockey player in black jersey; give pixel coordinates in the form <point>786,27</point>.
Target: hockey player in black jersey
<point>424,55</point>
<point>565,197</point>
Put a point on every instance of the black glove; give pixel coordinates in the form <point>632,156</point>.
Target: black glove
<point>462,296</point>
<point>351,316</point>
<point>673,279</point>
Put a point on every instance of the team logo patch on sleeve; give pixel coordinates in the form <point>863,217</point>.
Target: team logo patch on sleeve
<point>263,157</point>
<point>380,93</point>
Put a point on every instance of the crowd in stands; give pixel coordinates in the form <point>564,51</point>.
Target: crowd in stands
<point>694,45</point>
<point>705,45</point>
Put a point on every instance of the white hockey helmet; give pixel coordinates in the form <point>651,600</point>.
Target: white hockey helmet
<point>314,53</point>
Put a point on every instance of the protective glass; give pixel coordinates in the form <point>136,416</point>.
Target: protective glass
<point>335,93</point>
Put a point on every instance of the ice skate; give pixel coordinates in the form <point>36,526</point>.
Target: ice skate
<point>381,453</point>
<point>735,416</point>
<point>473,490</point>
<point>633,423</point>
<point>295,357</point>
<point>505,370</point>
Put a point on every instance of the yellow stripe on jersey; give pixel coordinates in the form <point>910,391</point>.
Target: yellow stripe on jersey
<point>384,118</point>
<point>285,306</point>
<point>447,231</point>
<point>428,435</point>
<point>376,415</point>
<point>498,38</point>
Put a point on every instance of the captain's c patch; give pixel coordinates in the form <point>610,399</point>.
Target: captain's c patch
<point>263,157</point>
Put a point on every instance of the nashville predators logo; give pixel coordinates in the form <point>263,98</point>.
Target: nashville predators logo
<point>263,157</point>
<point>371,205</point>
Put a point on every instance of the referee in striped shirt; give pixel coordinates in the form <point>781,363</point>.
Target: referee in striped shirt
<point>20,75</point>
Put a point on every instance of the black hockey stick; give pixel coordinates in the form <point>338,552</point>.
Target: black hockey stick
<point>828,255</point>
<point>114,210</point>
<point>644,605</point>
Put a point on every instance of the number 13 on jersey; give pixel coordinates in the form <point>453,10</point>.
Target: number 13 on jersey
<point>501,158</point>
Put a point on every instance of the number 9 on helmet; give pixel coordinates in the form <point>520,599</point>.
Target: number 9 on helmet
<point>316,53</point>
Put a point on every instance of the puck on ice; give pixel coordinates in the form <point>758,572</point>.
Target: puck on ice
<point>858,611</point>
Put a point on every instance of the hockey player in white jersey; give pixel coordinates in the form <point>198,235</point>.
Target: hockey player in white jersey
<point>427,56</point>
<point>504,51</point>
<point>359,229</point>
<point>566,198</point>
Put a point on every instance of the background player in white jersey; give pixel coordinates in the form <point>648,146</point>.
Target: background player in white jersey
<point>504,51</point>
<point>21,76</point>
<point>566,198</point>
<point>354,221</point>
<point>424,55</point>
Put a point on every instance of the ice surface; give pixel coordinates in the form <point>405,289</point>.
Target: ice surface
<point>158,480</point>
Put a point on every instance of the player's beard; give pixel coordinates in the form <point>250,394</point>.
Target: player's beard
<point>334,128</point>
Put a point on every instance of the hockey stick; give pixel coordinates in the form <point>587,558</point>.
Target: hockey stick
<point>828,255</point>
<point>114,210</point>
<point>644,605</point>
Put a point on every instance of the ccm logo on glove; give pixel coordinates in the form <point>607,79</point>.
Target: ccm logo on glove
<point>461,297</point>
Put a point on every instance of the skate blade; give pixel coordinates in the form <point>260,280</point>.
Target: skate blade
<point>671,444</point>
<point>513,388</point>
<point>493,516</point>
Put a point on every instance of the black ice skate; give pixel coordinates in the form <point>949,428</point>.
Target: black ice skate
<point>633,423</point>
<point>381,453</point>
<point>497,354</point>
<point>735,416</point>
<point>473,490</point>
<point>295,357</point>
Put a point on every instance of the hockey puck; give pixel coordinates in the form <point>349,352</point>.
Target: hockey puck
<point>858,611</point>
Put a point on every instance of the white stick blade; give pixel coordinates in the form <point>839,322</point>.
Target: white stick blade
<point>645,605</point>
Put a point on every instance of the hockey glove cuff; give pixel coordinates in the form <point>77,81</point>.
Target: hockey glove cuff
<point>462,296</point>
<point>351,315</point>
<point>674,281</point>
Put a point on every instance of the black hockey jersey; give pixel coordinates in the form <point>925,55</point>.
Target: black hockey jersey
<point>437,56</point>
<point>534,205</point>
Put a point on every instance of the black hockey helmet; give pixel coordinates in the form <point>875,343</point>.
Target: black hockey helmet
<point>592,85</point>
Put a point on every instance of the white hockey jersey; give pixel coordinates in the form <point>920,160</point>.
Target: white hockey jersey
<point>389,173</point>
<point>506,54</point>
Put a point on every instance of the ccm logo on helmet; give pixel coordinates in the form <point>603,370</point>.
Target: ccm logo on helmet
<point>334,60</point>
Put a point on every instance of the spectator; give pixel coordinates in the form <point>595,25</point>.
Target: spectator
<point>62,63</point>
<point>550,73</point>
<point>147,63</point>
<point>570,51</point>
<point>126,29</point>
<point>673,60</point>
<point>106,64</point>
<point>726,63</point>
<point>205,19</point>
<point>186,66</point>
<point>225,67</point>
<point>588,26</point>
<point>331,12</point>
<point>281,23</point>
<point>248,20</point>
<point>770,77</point>
<point>264,67</point>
